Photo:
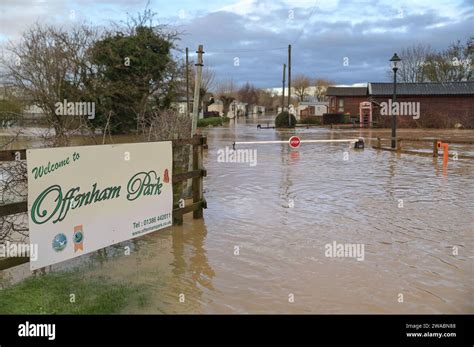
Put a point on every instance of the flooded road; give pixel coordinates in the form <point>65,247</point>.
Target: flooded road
<point>261,247</point>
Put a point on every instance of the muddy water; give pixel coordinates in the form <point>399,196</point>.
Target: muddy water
<point>262,240</point>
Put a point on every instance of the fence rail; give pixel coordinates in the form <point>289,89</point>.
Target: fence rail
<point>197,175</point>
<point>434,141</point>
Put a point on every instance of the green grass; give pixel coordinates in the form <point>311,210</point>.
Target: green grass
<point>50,294</point>
<point>214,121</point>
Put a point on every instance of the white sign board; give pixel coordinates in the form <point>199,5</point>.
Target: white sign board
<point>81,199</point>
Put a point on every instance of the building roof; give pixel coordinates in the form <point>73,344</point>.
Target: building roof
<point>314,103</point>
<point>429,88</point>
<point>346,91</point>
<point>386,89</point>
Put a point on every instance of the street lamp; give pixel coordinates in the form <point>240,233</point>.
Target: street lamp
<point>395,62</point>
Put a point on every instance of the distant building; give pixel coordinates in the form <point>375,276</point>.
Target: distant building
<point>216,106</point>
<point>257,110</point>
<point>237,109</point>
<point>419,104</point>
<point>311,108</point>
<point>179,105</point>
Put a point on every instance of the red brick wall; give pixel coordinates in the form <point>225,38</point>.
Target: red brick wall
<point>435,111</point>
<point>351,104</point>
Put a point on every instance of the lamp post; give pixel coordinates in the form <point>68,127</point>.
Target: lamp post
<point>395,62</point>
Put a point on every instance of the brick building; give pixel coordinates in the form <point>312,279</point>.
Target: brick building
<point>438,104</point>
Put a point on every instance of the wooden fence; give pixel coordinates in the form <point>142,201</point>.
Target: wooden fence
<point>198,143</point>
<point>434,146</point>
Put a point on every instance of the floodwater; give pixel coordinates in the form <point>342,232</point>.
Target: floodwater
<point>261,247</point>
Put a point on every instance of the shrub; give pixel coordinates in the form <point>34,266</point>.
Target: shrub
<point>281,121</point>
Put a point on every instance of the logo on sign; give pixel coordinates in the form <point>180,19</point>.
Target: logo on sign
<point>78,238</point>
<point>294,142</point>
<point>59,242</point>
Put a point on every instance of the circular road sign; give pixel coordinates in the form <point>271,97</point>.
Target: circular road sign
<point>294,142</point>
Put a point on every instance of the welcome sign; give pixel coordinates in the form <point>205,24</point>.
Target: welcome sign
<point>81,199</point>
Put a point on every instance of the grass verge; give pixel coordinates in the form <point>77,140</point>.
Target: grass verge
<point>52,293</point>
<point>214,121</point>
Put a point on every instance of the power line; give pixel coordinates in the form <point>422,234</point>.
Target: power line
<point>306,22</point>
<point>313,10</point>
<point>247,50</point>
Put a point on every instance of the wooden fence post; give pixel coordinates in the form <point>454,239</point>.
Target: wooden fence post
<point>399,145</point>
<point>379,142</point>
<point>198,181</point>
<point>435,148</point>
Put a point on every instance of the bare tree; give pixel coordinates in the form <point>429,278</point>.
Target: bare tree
<point>248,93</point>
<point>208,82</point>
<point>266,98</point>
<point>48,66</point>
<point>13,187</point>
<point>167,125</point>
<point>320,87</point>
<point>226,91</point>
<point>450,65</point>
<point>421,64</point>
<point>412,65</point>
<point>301,83</point>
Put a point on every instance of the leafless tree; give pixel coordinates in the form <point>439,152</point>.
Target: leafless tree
<point>453,64</point>
<point>13,188</point>
<point>412,66</point>
<point>50,65</point>
<point>420,63</point>
<point>226,91</point>
<point>301,83</point>
<point>248,93</point>
<point>320,87</point>
<point>208,82</point>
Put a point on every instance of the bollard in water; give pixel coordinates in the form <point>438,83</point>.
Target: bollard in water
<point>359,144</point>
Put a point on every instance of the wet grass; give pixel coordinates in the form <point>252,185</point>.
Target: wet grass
<point>52,294</point>
<point>214,121</point>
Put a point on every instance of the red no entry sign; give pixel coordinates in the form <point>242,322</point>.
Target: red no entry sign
<point>294,141</point>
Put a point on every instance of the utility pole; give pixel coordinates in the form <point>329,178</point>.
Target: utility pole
<point>395,62</point>
<point>187,82</point>
<point>289,84</point>
<point>394,117</point>
<point>283,90</point>
<point>197,87</point>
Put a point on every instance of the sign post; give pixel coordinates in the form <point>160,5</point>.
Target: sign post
<point>81,199</point>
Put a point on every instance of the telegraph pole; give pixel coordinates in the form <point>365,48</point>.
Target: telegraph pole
<point>197,87</point>
<point>289,84</point>
<point>187,82</point>
<point>283,90</point>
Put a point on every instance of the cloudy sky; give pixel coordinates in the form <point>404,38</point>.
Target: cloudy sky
<point>247,39</point>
